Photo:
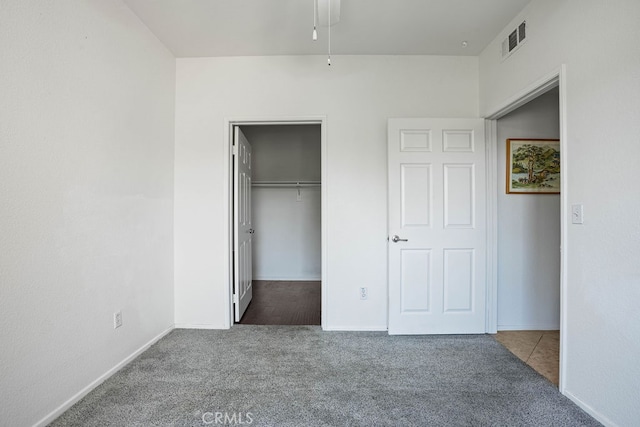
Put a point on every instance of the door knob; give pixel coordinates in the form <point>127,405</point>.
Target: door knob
<point>251,231</point>
<point>397,239</point>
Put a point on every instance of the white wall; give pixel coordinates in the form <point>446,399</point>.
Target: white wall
<point>287,241</point>
<point>285,152</point>
<point>286,244</point>
<point>528,229</point>
<point>599,43</point>
<point>357,95</point>
<point>86,160</point>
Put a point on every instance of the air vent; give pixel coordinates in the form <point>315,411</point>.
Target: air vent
<point>522,31</point>
<point>514,40</point>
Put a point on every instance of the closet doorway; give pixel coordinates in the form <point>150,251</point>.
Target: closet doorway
<point>277,223</point>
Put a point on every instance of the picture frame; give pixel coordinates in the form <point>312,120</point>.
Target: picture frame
<point>533,166</point>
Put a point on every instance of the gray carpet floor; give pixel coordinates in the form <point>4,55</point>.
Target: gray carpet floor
<point>302,376</point>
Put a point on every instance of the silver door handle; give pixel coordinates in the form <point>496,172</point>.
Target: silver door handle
<point>396,239</point>
<point>251,231</point>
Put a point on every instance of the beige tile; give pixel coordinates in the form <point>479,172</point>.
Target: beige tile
<point>539,349</point>
<point>545,358</point>
<point>520,343</point>
<point>550,340</point>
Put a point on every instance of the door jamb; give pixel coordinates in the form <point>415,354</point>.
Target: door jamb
<point>491,319</point>
<point>556,78</point>
<point>228,204</point>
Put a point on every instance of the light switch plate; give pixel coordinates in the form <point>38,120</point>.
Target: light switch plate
<point>577,216</point>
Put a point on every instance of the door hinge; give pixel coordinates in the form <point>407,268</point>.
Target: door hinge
<point>236,299</point>
<point>234,149</point>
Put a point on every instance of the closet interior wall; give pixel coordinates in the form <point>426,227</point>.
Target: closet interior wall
<point>286,215</point>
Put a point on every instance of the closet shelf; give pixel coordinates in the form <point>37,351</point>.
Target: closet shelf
<point>287,184</point>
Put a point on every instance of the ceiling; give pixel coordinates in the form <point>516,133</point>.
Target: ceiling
<point>200,28</point>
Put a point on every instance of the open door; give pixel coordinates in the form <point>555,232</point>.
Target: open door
<point>437,226</point>
<point>242,231</point>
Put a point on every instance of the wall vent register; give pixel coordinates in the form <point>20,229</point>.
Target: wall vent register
<point>514,40</point>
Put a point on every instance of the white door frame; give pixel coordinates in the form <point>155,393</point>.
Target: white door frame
<point>544,84</point>
<point>228,205</point>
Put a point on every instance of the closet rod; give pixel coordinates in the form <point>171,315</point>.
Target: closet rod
<point>291,184</point>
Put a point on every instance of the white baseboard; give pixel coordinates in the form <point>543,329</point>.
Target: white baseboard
<point>289,279</point>
<point>198,326</point>
<point>328,328</point>
<point>355,328</point>
<point>589,410</point>
<point>535,327</point>
<point>102,378</point>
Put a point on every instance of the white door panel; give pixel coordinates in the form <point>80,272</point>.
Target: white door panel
<point>243,233</point>
<point>437,195</point>
<point>459,200</point>
<point>416,195</point>
<point>415,281</point>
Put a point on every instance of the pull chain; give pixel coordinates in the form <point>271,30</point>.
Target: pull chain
<point>314,35</point>
<point>329,33</point>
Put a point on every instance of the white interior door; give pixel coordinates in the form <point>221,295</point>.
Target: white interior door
<point>437,210</point>
<point>242,231</point>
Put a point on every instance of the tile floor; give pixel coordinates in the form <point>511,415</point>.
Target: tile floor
<point>538,349</point>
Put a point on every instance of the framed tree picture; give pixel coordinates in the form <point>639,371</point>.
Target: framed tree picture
<point>533,166</point>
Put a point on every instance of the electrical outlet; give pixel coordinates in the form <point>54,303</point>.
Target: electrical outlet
<point>117,319</point>
<point>364,293</point>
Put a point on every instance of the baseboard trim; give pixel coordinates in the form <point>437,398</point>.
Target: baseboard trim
<point>355,328</point>
<point>544,327</point>
<point>288,279</point>
<point>589,410</point>
<point>327,328</point>
<point>198,326</point>
<point>102,378</point>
